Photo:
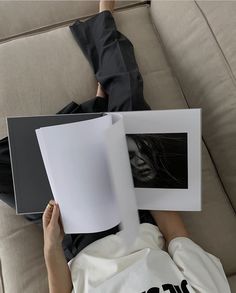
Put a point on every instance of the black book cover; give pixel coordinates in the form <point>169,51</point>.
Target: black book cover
<point>31,186</point>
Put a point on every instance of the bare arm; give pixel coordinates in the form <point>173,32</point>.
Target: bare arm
<point>170,224</point>
<point>59,276</point>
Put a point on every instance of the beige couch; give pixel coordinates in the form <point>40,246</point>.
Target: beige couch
<point>187,56</point>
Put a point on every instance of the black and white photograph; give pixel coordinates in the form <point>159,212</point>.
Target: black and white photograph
<point>159,160</point>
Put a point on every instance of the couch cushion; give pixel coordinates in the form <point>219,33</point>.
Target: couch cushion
<point>214,227</point>
<point>21,254</point>
<point>222,21</point>
<point>199,40</point>
<point>39,75</point>
<point>18,17</point>
<point>41,81</point>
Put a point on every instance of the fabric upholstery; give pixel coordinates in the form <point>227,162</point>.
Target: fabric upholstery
<point>198,39</point>
<point>42,81</point>
<point>3,130</point>
<point>14,20</point>
<point>21,254</point>
<point>34,81</point>
<point>41,73</point>
<point>222,21</point>
<point>214,227</point>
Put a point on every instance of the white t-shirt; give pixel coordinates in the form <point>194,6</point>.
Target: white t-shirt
<point>106,267</point>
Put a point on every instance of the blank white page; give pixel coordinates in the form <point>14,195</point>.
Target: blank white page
<point>122,181</point>
<point>76,163</point>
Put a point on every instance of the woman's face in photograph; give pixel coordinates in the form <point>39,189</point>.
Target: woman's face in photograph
<point>142,167</point>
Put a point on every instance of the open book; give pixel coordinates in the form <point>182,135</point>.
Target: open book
<point>102,170</point>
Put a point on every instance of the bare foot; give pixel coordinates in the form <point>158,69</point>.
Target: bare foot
<point>106,5</point>
<point>100,91</point>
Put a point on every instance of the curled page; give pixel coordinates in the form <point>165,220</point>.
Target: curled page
<point>74,156</point>
<point>121,177</point>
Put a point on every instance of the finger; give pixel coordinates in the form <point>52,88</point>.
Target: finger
<point>55,215</point>
<point>49,208</point>
<point>48,213</point>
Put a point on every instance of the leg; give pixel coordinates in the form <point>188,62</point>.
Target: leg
<point>106,5</point>
<point>111,56</point>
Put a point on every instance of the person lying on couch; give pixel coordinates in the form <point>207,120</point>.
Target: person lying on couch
<point>106,266</point>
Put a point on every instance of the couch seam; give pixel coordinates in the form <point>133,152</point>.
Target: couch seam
<point>1,278</point>
<point>231,275</point>
<point>175,75</point>
<point>47,28</point>
<point>223,57</point>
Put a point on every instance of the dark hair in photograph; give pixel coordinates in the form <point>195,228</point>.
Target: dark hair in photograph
<point>168,156</point>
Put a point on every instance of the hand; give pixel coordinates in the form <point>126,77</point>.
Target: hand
<point>52,226</point>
